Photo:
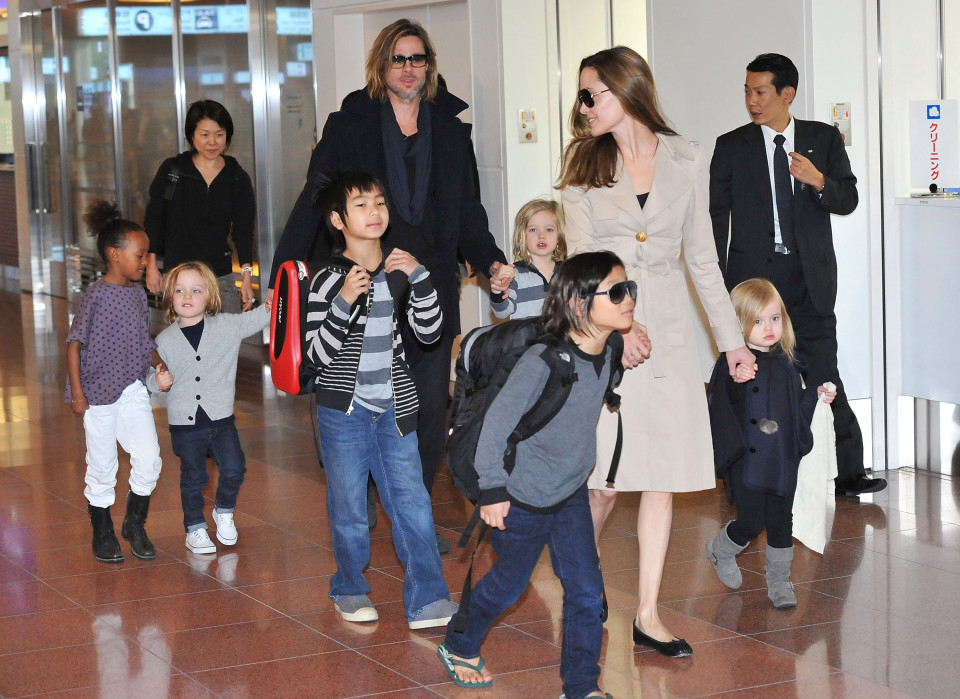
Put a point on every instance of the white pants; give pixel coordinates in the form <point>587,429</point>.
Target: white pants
<point>130,422</point>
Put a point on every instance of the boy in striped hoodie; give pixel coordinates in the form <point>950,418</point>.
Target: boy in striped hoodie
<point>367,400</point>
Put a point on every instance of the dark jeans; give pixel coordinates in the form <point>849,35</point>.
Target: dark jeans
<point>192,446</point>
<point>817,354</point>
<point>569,536</point>
<point>430,365</point>
<point>758,511</point>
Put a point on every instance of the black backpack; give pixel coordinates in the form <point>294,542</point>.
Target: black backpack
<point>487,357</point>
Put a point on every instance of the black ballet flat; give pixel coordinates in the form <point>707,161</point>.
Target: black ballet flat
<point>672,649</point>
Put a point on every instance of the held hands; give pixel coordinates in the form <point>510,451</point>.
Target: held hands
<point>742,364</point>
<point>400,260</point>
<point>246,293</point>
<point>802,169</point>
<point>356,283</point>
<point>636,346</point>
<point>494,514</point>
<point>500,277</point>
<point>164,377</point>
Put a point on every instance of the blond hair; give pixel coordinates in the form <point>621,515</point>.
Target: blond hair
<point>379,59</point>
<point>528,211</point>
<point>750,298</point>
<point>214,302</point>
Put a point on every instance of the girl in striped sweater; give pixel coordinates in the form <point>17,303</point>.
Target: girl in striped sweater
<point>539,248</point>
<point>367,401</point>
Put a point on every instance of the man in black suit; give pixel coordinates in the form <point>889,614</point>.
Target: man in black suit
<point>773,185</point>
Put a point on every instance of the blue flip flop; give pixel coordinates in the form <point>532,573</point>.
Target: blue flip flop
<point>450,663</point>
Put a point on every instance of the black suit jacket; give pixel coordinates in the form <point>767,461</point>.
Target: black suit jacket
<point>352,139</point>
<point>741,206</point>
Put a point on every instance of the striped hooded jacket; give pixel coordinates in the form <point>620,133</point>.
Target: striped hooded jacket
<point>334,336</point>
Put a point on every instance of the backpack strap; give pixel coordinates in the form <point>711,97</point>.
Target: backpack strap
<point>612,399</point>
<point>173,177</point>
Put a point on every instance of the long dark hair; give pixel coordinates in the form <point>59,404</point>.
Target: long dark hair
<point>579,275</point>
<point>105,224</point>
<point>590,161</point>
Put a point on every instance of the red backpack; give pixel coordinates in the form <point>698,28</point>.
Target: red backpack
<point>292,372</point>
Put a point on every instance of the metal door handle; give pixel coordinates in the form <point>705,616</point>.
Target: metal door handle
<point>45,173</point>
<point>32,183</point>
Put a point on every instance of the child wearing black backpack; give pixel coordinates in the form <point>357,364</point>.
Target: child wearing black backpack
<point>367,401</point>
<point>544,500</point>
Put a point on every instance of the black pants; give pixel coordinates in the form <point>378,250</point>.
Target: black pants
<point>817,353</point>
<point>431,374</point>
<point>758,511</point>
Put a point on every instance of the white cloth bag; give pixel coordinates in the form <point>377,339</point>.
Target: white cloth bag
<point>815,480</point>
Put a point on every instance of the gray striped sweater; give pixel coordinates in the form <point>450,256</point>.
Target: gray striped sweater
<point>335,336</point>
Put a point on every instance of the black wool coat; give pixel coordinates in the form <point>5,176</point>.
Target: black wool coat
<point>740,420</point>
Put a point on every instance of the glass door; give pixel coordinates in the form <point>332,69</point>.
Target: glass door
<point>42,130</point>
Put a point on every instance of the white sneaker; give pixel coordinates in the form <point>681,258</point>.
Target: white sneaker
<point>198,541</point>
<point>226,529</point>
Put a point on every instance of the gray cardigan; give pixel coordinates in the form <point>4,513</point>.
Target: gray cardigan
<point>205,377</point>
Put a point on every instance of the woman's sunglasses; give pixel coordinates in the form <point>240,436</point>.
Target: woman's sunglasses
<point>586,97</point>
<point>618,292</point>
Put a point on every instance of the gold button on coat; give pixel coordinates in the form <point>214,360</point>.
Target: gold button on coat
<point>641,237</point>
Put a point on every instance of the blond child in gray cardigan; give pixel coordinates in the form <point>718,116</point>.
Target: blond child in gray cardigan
<point>200,350</point>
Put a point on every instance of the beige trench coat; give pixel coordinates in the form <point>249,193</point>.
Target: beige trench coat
<point>667,445</point>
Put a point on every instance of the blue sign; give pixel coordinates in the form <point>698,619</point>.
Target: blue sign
<point>933,111</point>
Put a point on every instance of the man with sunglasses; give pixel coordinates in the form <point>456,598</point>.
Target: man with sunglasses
<point>404,129</point>
<point>774,184</point>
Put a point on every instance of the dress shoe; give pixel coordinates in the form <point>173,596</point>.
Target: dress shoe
<point>677,648</point>
<point>859,485</point>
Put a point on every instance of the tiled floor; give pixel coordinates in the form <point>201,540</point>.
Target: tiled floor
<point>878,613</point>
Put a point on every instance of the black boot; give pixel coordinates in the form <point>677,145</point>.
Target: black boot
<point>106,548</point>
<point>132,529</point>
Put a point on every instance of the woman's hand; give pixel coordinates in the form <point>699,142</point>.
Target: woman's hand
<point>636,346</point>
<point>742,364</point>
<point>495,514</point>
<point>246,292</point>
<point>825,394</point>
<point>400,260</point>
<point>154,278</point>
<point>357,282</point>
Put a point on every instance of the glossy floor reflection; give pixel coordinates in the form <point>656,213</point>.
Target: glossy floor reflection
<point>877,615</point>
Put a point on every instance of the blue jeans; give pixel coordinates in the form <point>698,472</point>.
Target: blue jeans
<point>352,447</point>
<point>192,446</point>
<point>569,535</point>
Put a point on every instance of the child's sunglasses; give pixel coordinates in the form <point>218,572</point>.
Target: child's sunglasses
<point>618,292</point>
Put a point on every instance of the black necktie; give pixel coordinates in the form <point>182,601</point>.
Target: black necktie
<point>781,176</point>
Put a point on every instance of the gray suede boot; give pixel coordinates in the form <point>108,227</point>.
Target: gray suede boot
<point>722,551</point>
<point>779,587</point>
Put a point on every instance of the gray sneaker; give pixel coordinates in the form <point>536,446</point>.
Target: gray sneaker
<point>433,615</point>
<point>355,608</point>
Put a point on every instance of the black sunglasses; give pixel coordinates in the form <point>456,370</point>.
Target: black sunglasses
<point>586,97</point>
<point>618,292</point>
<point>417,60</point>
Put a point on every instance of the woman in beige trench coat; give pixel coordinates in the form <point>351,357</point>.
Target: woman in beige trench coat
<point>630,184</point>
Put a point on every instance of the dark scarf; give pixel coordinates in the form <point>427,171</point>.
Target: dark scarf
<point>396,148</point>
